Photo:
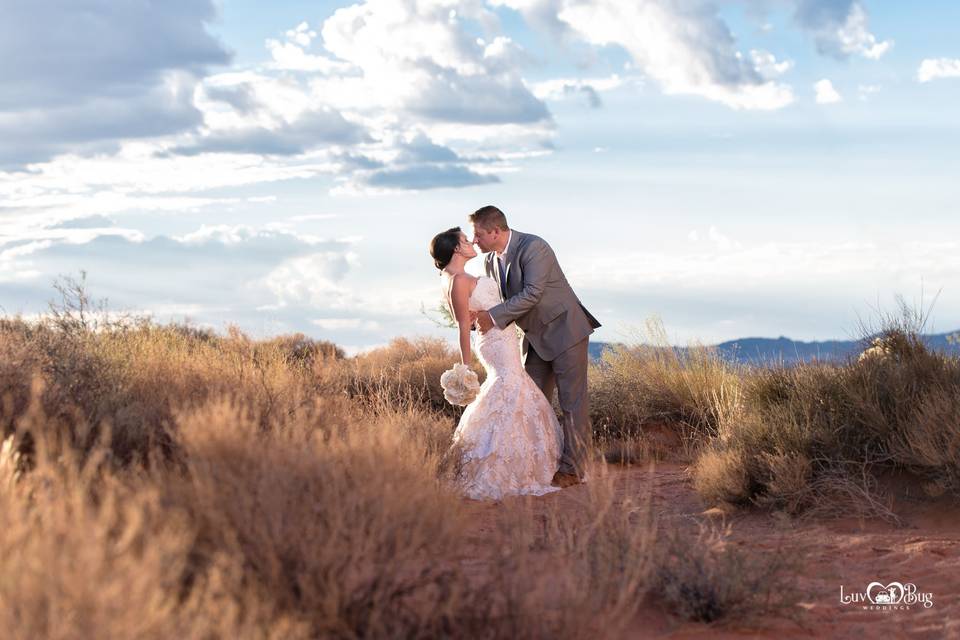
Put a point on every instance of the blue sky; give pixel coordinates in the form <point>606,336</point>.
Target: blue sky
<point>737,168</point>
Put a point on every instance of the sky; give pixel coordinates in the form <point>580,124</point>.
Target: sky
<point>735,168</point>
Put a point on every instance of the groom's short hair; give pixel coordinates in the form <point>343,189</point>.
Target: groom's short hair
<point>489,217</point>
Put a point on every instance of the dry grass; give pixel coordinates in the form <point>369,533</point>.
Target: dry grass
<point>709,579</point>
<point>405,372</point>
<point>653,383</point>
<point>575,574</point>
<point>812,438</point>
<point>164,481</point>
<point>340,523</point>
<point>809,439</point>
<point>298,531</point>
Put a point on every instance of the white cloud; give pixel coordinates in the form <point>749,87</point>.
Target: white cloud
<point>135,179</point>
<point>371,76</point>
<point>264,279</point>
<point>589,88</point>
<point>779,265</point>
<point>840,28</point>
<point>809,290</point>
<point>337,324</point>
<point>685,47</point>
<point>83,76</point>
<point>311,280</point>
<point>715,238</point>
<point>421,58</point>
<point>864,91</point>
<point>855,38</point>
<point>313,216</point>
<point>826,93</point>
<point>292,55</point>
<point>24,249</point>
<point>302,34</point>
<point>767,65</point>
<point>376,75</point>
<point>934,68</point>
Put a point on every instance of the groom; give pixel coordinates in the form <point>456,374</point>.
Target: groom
<point>556,327</point>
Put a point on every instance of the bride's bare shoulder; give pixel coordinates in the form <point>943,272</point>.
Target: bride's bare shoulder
<point>462,283</point>
<point>465,281</point>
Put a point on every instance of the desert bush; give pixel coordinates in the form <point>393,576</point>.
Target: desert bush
<point>328,522</point>
<point>129,378</point>
<point>652,382</point>
<point>331,521</point>
<point>720,475</point>
<point>574,573</point>
<point>342,524</point>
<point>708,579</point>
<point>811,438</point>
<point>219,486</point>
<point>18,362</point>
<point>405,372</point>
<point>90,555</point>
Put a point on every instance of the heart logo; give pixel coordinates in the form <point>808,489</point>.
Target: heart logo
<point>890,594</point>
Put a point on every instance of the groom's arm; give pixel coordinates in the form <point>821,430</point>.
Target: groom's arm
<point>536,262</point>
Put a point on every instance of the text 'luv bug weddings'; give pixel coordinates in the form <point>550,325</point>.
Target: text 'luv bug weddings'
<point>895,596</point>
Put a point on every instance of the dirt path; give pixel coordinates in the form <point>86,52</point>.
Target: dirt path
<point>923,550</point>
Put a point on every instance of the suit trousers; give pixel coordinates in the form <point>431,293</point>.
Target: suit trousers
<point>567,373</point>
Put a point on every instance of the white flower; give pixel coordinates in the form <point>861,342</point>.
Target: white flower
<point>460,385</point>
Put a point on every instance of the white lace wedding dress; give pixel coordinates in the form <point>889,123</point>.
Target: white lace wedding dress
<point>509,437</point>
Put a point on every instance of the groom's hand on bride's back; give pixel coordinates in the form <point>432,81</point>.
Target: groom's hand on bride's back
<point>484,321</point>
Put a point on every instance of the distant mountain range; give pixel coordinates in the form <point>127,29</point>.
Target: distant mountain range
<point>787,351</point>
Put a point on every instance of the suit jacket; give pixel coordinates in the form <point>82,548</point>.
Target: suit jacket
<point>539,298</point>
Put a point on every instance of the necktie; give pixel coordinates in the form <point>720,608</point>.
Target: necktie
<point>503,278</point>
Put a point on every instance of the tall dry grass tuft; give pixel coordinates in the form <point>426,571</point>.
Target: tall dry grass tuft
<point>75,568</point>
<point>86,554</point>
<point>329,522</point>
<point>130,378</point>
<point>812,438</point>
<point>692,390</point>
<point>576,572</point>
<point>343,524</point>
<point>405,372</point>
<point>709,579</point>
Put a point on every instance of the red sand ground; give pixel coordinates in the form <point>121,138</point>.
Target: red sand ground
<point>924,550</point>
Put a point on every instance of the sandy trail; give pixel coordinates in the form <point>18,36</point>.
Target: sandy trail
<point>924,550</point>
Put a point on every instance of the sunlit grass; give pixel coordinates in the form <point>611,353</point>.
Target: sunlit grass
<point>164,481</point>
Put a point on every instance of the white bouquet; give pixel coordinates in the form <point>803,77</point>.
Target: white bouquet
<point>460,385</point>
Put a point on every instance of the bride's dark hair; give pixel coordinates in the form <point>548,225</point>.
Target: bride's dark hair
<point>443,245</point>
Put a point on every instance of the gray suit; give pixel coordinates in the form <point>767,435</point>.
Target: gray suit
<point>556,330</point>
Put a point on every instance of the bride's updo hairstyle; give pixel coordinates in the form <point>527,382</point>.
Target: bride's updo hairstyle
<point>443,245</point>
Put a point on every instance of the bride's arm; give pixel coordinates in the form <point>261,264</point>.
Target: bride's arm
<point>460,298</point>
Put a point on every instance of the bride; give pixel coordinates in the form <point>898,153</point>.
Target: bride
<point>509,437</point>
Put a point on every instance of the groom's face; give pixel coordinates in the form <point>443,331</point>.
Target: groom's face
<point>487,239</point>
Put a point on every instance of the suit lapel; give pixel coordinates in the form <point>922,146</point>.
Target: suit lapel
<point>512,251</point>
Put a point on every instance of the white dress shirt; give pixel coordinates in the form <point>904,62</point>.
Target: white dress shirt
<point>502,256</point>
<point>506,247</point>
